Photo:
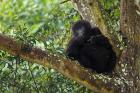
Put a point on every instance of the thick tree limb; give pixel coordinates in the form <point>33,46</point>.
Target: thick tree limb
<point>130,58</point>
<point>90,10</point>
<point>97,82</point>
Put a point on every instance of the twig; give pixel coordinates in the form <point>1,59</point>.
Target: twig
<point>64,1</point>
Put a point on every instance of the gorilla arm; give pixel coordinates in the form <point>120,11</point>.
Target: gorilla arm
<point>74,47</point>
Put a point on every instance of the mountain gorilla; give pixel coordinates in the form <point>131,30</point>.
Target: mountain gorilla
<point>90,48</point>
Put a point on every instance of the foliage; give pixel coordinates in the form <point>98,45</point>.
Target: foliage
<point>111,11</point>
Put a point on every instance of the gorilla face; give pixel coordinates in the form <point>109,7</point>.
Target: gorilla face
<point>81,29</point>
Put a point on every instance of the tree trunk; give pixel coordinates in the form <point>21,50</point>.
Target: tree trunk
<point>130,59</point>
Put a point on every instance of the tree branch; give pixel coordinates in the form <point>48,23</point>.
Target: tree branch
<point>96,82</point>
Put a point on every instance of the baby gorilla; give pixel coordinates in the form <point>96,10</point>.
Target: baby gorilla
<point>91,48</point>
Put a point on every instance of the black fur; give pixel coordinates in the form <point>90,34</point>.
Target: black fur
<point>91,48</point>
